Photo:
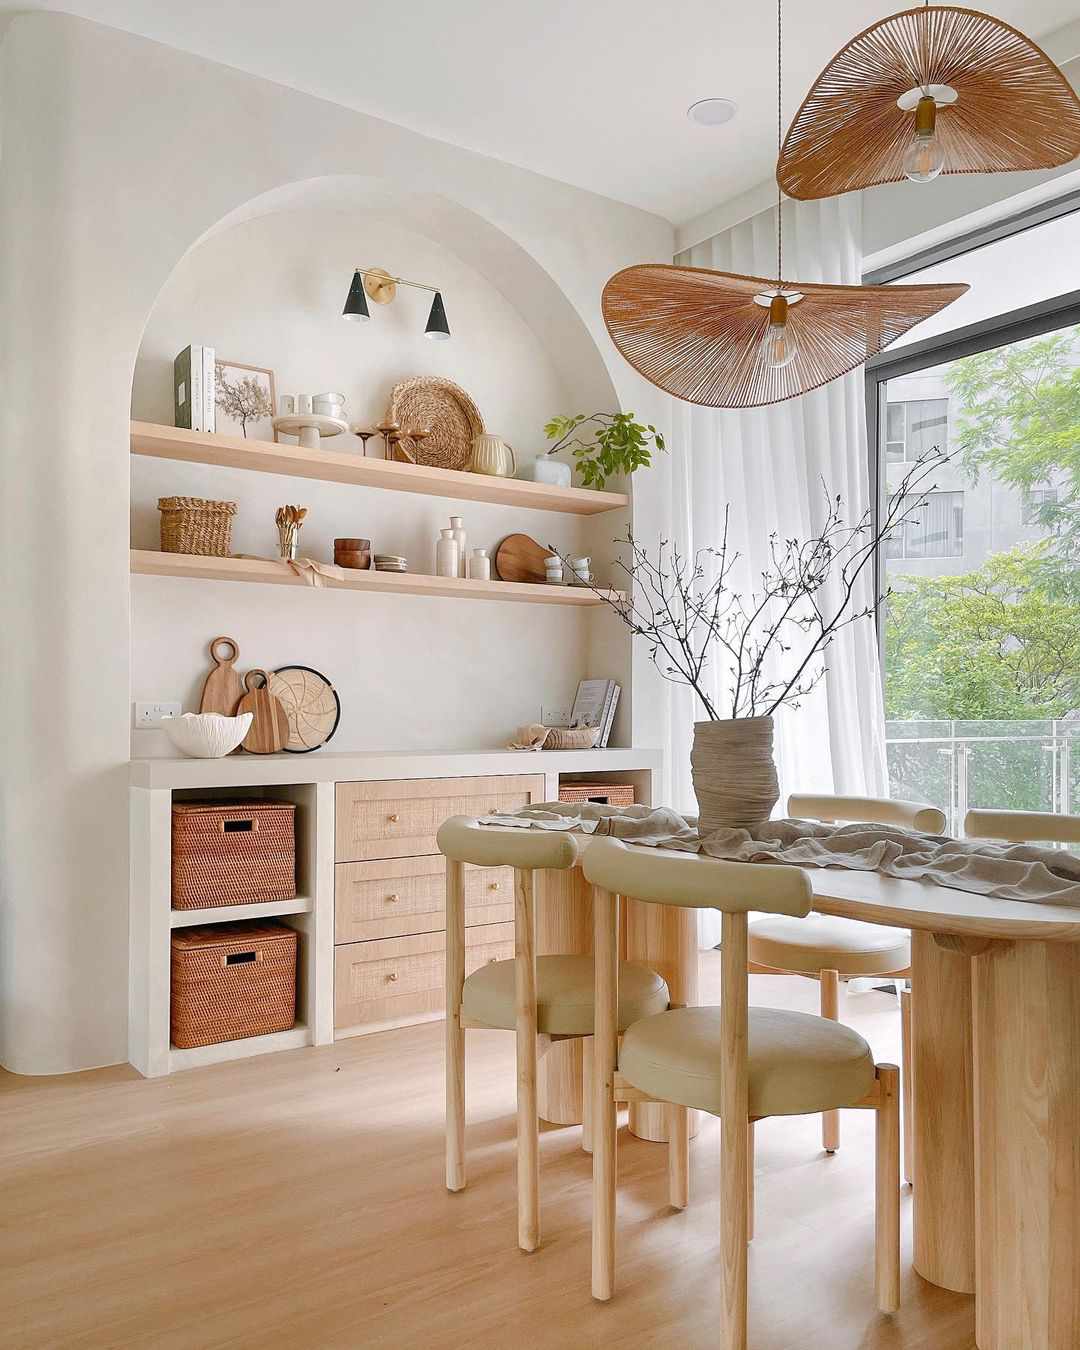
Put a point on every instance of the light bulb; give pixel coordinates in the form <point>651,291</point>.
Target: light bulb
<point>779,346</point>
<point>925,156</point>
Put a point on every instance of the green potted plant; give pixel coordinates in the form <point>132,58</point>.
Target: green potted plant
<point>604,444</point>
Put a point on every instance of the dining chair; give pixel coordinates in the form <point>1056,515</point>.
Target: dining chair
<point>739,1063</point>
<point>540,998</point>
<point>1022,827</point>
<point>828,948</point>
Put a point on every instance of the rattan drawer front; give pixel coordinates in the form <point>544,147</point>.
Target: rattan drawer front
<point>401,978</point>
<point>394,897</point>
<point>399,819</point>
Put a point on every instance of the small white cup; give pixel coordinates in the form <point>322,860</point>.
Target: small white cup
<point>303,405</point>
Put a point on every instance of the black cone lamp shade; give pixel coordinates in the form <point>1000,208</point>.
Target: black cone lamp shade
<point>437,327</point>
<point>356,308</point>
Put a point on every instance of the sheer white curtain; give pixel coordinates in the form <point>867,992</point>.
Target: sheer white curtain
<point>769,463</point>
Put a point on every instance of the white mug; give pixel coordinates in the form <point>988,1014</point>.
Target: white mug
<point>286,405</point>
<point>303,405</point>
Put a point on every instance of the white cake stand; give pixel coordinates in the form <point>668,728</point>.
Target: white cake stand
<point>309,427</point>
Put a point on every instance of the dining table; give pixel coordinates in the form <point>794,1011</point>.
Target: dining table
<point>995,1080</point>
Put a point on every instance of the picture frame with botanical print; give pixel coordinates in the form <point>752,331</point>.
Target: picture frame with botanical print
<point>245,400</point>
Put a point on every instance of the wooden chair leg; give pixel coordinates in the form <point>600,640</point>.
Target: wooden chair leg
<point>887,1190</point>
<point>734,1136</point>
<point>528,1120</point>
<point>586,1093</point>
<point>455,1033</point>
<point>750,1202</point>
<point>906,1086</point>
<point>678,1127</point>
<point>605,1058</point>
<point>830,1008</point>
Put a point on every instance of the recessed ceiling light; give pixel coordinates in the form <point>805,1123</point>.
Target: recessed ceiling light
<point>712,112</point>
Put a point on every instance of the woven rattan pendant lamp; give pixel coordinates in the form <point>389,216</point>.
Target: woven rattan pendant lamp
<point>731,341</point>
<point>933,90</point>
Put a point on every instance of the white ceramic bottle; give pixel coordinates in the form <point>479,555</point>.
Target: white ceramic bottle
<point>447,561</point>
<point>480,565</point>
<point>458,527</point>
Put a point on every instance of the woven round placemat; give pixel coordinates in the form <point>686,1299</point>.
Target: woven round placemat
<point>448,413</point>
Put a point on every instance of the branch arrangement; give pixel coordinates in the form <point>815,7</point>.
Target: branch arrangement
<point>772,640</point>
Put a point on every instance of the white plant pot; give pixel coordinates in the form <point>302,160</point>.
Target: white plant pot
<point>545,469</point>
<point>207,735</point>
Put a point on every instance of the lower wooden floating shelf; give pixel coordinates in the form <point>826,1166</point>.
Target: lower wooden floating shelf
<point>149,562</point>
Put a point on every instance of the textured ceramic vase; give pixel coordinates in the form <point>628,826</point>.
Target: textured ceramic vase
<point>544,469</point>
<point>734,773</point>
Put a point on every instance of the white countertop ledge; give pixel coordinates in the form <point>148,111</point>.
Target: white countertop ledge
<point>331,766</point>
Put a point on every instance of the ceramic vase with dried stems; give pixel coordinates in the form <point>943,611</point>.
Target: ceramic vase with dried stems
<point>734,773</point>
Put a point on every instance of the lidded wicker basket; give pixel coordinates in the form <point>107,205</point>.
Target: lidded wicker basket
<point>195,525</point>
<point>232,980</point>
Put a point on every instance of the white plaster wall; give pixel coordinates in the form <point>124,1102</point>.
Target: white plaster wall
<point>411,674</point>
<point>119,154</point>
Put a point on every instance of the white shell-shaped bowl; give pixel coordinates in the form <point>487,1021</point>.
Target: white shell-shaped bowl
<point>207,735</point>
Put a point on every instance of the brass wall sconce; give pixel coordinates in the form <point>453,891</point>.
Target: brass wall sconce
<point>381,287</point>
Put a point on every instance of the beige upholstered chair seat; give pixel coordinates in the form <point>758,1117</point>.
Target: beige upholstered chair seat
<point>564,995</point>
<point>798,1063</point>
<point>827,942</point>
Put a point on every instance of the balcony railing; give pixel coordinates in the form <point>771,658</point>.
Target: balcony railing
<point>1016,766</point>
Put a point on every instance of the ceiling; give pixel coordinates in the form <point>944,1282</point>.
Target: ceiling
<point>593,92</point>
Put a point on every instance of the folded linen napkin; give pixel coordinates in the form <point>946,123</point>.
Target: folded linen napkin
<point>1006,871</point>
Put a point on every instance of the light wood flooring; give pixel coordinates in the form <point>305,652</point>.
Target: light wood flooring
<point>297,1200</point>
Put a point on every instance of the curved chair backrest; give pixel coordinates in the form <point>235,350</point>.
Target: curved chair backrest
<point>876,810</point>
<point>1022,827</point>
<point>464,839</point>
<point>691,881</point>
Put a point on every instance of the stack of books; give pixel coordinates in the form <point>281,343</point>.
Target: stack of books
<point>194,390</point>
<point>594,706</point>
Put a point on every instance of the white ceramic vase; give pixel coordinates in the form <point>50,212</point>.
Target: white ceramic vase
<point>546,469</point>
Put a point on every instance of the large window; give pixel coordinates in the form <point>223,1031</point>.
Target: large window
<point>981,634</point>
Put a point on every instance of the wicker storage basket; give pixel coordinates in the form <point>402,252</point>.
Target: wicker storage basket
<point>232,853</point>
<point>231,980</point>
<point>607,794</point>
<point>194,525</point>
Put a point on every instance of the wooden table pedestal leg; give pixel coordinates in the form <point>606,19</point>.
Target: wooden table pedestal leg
<point>1027,1124</point>
<point>941,1032</point>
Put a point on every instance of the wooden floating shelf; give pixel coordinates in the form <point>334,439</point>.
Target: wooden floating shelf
<point>149,562</point>
<point>337,466</point>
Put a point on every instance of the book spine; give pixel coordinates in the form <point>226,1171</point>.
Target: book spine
<point>182,389</point>
<point>616,690</point>
<point>196,389</point>
<point>209,390</point>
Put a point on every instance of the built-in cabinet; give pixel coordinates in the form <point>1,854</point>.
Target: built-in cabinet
<point>371,882</point>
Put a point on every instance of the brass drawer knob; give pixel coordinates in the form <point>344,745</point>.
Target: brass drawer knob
<point>393,899</point>
<point>392,977</point>
<point>495,886</point>
<point>394,818</point>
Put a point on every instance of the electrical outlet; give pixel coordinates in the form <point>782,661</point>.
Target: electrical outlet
<point>152,714</point>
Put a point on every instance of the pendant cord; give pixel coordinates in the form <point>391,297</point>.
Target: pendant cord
<point>779,140</point>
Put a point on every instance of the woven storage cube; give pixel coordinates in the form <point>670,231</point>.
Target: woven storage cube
<point>606,794</point>
<point>195,525</point>
<point>232,853</point>
<point>231,980</point>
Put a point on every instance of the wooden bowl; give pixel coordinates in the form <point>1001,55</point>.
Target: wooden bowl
<point>354,553</point>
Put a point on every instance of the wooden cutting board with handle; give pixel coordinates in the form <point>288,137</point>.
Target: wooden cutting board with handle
<point>519,558</point>
<point>269,730</point>
<point>224,688</point>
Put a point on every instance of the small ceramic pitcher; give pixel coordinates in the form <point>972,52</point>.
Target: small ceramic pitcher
<point>491,455</point>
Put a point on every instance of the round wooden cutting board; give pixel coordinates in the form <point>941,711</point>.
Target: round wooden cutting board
<point>519,558</point>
